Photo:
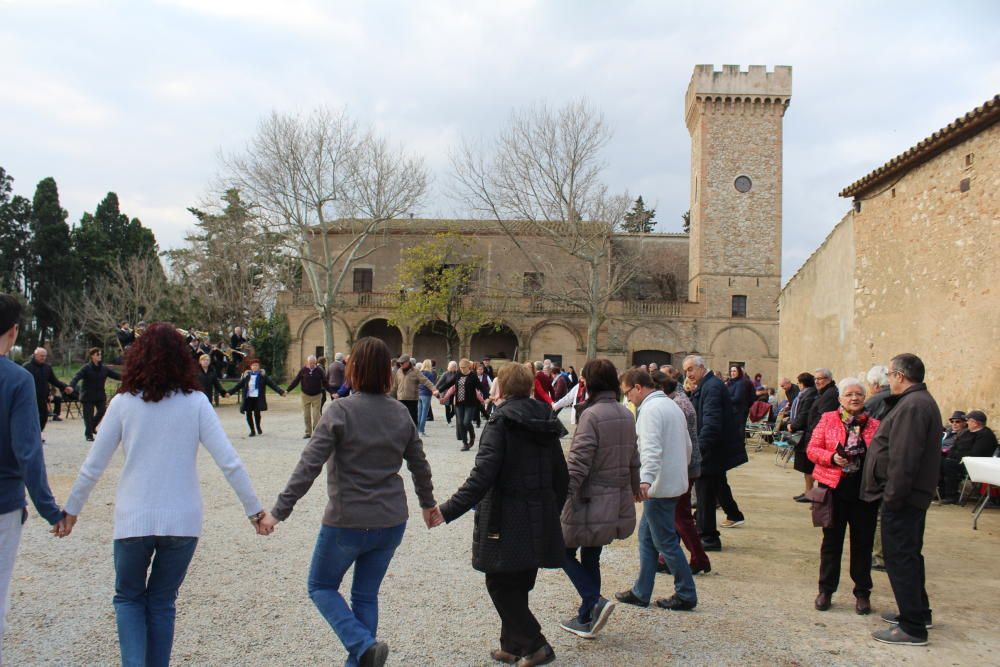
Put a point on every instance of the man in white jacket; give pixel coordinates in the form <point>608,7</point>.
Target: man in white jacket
<point>664,454</point>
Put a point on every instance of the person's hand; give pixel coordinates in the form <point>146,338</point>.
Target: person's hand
<point>64,526</point>
<point>839,460</point>
<point>433,517</point>
<point>67,390</point>
<point>789,428</point>
<point>265,525</point>
<point>644,491</point>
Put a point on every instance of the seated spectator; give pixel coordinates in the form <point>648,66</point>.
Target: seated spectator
<point>977,440</point>
<point>956,425</point>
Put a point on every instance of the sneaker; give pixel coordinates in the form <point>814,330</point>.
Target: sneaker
<point>375,656</point>
<point>600,615</point>
<point>732,524</point>
<point>579,629</point>
<point>892,618</point>
<point>896,635</point>
<point>675,603</point>
<point>628,597</point>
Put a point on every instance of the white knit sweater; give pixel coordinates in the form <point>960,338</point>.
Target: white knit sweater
<point>158,493</point>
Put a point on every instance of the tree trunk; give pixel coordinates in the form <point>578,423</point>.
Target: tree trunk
<point>593,326</point>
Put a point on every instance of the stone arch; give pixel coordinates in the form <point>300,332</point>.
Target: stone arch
<point>310,336</point>
<point>652,342</point>
<point>379,327</point>
<point>430,341</point>
<point>716,345</point>
<point>577,336</point>
<point>498,340</point>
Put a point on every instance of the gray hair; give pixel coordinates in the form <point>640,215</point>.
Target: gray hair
<point>311,357</point>
<point>851,382</point>
<point>539,365</point>
<point>452,365</point>
<point>825,372</point>
<point>695,359</point>
<point>339,356</point>
<point>40,349</point>
<point>878,376</point>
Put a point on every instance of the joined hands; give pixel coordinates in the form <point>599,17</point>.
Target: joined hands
<point>433,517</point>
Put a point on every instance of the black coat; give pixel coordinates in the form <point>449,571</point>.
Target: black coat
<point>967,443</point>
<point>241,387</point>
<point>720,437</point>
<point>806,400</point>
<point>875,406</point>
<point>904,458</point>
<point>518,486</point>
<point>43,376</point>
<point>93,377</point>
<point>208,380</point>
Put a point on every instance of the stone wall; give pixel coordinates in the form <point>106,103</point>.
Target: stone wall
<point>925,276</point>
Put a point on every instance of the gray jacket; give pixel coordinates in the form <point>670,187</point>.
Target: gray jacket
<point>603,466</point>
<point>687,407</point>
<point>363,440</point>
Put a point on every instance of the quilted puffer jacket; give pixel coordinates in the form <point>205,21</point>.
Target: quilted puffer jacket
<point>603,475</point>
<point>518,486</point>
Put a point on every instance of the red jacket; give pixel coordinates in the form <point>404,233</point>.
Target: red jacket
<point>543,387</point>
<point>829,433</point>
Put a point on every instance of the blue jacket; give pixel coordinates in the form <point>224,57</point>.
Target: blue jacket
<point>720,437</point>
<point>22,462</point>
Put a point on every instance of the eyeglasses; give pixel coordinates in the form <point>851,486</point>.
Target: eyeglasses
<point>956,421</point>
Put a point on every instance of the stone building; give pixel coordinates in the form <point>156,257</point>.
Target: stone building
<point>713,292</point>
<point>913,267</point>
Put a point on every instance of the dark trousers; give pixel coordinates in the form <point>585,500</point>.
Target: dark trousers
<point>727,501</point>
<point>585,574</point>
<point>849,510</point>
<point>411,407</point>
<point>43,412</point>
<point>464,415</point>
<point>707,489</point>
<point>449,412</point>
<point>520,633</point>
<point>902,544</point>
<point>952,474</point>
<point>253,419</point>
<point>93,413</point>
<point>684,523</point>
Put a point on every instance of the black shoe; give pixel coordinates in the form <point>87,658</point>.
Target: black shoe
<point>675,603</point>
<point>252,434</point>
<point>706,568</point>
<point>862,605</point>
<point>57,418</point>
<point>711,546</point>
<point>951,500</point>
<point>542,656</point>
<point>466,447</point>
<point>259,432</point>
<point>801,499</point>
<point>90,438</point>
<point>472,439</point>
<point>628,597</point>
<point>375,656</point>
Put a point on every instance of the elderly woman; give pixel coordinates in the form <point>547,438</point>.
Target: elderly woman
<point>467,393</point>
<point>518,486</point>
<point>838,447</point>
<point>603,483</point>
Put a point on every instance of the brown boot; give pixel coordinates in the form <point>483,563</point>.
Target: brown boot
<point>823,601</point>
<point>501,655</point>
<point>862,606</point>
<point>542,656</point>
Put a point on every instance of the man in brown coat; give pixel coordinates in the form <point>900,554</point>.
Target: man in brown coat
<point>901,470</point>
<point>407,381</point>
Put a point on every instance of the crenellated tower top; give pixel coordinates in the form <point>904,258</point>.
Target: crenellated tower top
<point>755,91</point>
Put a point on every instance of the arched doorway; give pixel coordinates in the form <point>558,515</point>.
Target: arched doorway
<point>438,341</point>
<point>646,357</point>
<point>496,341</point>
<point>388,334</point>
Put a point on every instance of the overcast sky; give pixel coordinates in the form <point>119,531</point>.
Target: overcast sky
<point>139,97</point>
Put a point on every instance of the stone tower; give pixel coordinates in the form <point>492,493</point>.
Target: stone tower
<point>734,119</point>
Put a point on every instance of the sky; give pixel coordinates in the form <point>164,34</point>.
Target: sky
<point>141,97</point>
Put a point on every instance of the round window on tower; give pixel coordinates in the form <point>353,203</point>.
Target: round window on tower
<point>743,183</point>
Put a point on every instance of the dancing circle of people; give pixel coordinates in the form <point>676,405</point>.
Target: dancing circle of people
<point>661,437</point>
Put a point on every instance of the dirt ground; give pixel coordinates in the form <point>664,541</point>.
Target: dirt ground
<point>245,603</point>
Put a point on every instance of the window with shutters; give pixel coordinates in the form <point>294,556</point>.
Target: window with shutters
<point>363,280</point>
<point>739,305</point>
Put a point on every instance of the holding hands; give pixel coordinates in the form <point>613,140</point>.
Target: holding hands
<point>433,517</point>
<point>263,522</point>
<point>64,526</point>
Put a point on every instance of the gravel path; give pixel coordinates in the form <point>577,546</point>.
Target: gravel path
<point>245,603</point>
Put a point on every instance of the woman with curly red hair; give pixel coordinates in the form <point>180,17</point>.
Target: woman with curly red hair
<point>159,416</point>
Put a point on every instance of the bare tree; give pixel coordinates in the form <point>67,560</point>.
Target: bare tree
<point>545,169</point>
<point>328,189</point>
<point>136,289</point>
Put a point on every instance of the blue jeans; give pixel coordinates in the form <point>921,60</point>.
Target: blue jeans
<point>657,535</point>
<point>586,577</point>
<point>423,405</point>
<point>145,608</point>
<point>369,551</point>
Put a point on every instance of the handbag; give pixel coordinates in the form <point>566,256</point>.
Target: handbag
<point>821,498</point>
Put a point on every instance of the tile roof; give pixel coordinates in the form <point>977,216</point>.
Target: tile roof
<point>957,131</point>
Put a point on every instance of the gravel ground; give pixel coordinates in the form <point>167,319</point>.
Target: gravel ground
<point>245,603</point>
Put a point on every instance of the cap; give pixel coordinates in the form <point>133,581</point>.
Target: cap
<point>405,359</point>
<point>978,415</point>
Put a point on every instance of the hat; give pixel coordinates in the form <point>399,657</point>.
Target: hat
<point>978,415</point>
<point>957,414</point>
<point>405,359</point>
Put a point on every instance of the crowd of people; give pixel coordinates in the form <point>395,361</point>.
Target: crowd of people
<point>665,438</point>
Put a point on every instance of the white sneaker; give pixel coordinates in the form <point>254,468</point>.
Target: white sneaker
<point>732,524</point>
